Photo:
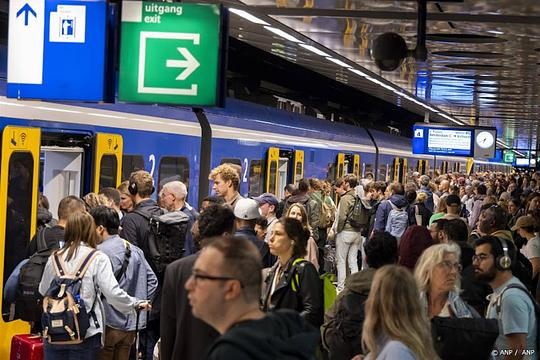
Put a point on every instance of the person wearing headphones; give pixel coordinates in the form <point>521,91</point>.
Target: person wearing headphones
<point>511,303</point>
<point>135,229</point>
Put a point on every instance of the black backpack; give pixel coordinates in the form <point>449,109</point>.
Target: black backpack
<point>28,300</point>
<point>166,237</point>
<point>342,336</point>
<point>358,216</point>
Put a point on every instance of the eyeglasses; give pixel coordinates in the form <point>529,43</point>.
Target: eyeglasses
<point>449,265</point>
<point>481,257</point>
<point>196,277</point>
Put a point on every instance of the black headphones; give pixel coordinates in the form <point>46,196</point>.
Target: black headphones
<point>133,189</point>
<point>503,262</point>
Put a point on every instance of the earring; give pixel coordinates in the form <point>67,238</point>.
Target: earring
<point>292,242</point>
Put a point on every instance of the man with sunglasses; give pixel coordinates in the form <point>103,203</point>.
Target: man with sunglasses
<point>510,303</point>
<point>224,291</point>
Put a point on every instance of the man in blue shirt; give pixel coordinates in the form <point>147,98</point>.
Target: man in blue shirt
<point>134,275</point>
<point>510,302</point>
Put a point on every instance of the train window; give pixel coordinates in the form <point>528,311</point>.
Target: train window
<point>331,173</point>
<point>383,172</point>
<point>18,214</point>
<point>273,171</point>
<point>369,169</point>
<point>299,172</point>
<point>173,168</point>
<point>230,161</point>
<point>255,178</point>
<point>131,163</point>
<point>107,171</point>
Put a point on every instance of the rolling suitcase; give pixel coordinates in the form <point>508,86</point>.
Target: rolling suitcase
<point>26,347</point>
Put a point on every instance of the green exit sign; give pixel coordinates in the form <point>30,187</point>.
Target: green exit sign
<point>509,157</point>
<point>170,53</point>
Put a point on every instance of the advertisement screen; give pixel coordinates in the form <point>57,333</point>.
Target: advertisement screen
<point>522,162</point>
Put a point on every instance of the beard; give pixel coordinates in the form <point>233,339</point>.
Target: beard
<point>486,276</point>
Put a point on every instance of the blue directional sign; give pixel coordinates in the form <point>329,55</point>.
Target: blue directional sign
<point>56,49</point>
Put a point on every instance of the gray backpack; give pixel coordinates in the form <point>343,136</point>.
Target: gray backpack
<point>397,222</point>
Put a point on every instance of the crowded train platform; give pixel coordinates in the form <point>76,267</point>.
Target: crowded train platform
<point>318,180</point>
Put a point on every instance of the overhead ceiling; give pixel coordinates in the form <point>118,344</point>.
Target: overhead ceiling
<point>483,65</point>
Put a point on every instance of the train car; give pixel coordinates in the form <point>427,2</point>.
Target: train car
<point>63,149</point>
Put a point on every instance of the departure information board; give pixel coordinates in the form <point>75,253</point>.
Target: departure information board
<point>477,142</point>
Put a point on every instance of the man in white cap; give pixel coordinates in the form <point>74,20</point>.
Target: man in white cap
<point>268,204</point>
<point>247,212</point>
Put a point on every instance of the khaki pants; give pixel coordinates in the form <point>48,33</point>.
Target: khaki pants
<point>117,344</point>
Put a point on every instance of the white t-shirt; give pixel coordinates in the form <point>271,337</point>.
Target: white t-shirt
<point>532,249</point>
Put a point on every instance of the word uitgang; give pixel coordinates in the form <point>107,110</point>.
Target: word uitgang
<point>159,10</point>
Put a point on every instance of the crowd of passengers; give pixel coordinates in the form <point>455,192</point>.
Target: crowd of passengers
<point>439,267</point>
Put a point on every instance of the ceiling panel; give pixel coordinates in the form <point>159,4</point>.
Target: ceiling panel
<point>482,67</point>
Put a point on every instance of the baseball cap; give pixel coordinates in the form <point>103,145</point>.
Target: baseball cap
<point>247,209</point>
<point>266,198</point>
<point>453,200</point>
<point>524,221</point>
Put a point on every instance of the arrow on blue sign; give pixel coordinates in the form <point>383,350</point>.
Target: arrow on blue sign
<point>26,9</point>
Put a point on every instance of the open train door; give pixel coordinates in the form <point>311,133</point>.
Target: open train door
<point>19,173</point>
<point>283,166</point>
<point>400,170</point>
<point>352,165</point>
<point>107,161</point>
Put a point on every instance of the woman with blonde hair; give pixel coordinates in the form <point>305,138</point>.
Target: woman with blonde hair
<point>126,199</point>
<point>298,211</point>
<point>395,326</point>
<point>98,279</point>
<point>437,275</point>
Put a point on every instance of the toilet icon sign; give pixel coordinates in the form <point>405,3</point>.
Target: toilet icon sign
<point>68,27</point>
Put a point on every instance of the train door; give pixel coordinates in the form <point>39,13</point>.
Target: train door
<point>422,167</point>
<point>107,161</point>
<point>19,171</point>
<point>283,166</point>
<point>351,164</point>
<point>400,170</point>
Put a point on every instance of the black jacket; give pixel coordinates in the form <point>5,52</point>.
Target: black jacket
<point>182,335</point>
<point>135,229</point>
<point>267,258</point>
<point>53,236</point>
<point>280,335</point>
<point>342,328</point>
<point>308,299</point>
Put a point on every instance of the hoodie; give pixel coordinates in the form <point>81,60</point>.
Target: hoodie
<point>384,209</point>
<point>282,334</point>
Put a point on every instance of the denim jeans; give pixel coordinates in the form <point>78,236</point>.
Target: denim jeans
<point>347,245</point>
<point>87,350</point>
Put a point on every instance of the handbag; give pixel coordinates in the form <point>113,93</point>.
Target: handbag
<point>464,338</point>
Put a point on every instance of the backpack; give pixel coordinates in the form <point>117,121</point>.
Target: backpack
<point>28,300</point>
<point>328,215</point>
<point>342,335</point>
<point>329,290</point>
<point>166,237</point>
<point>358,216</point>
<point>535,305</point>
<point>65,319</point>
<point>397,222</point>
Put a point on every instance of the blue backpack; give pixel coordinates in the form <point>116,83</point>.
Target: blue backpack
<point>397,222</point>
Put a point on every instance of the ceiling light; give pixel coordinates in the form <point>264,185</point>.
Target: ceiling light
<point>282,33</point>
<point>359,72</point>
<point>338,62</point>
<point>248,16</point>
<point>314,50</point>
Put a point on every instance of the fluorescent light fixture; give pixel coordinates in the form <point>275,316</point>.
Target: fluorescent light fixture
<point>359,72</point>
<point>338,62</point>
<point>314,50</point>
<point>248,16</point>
<point>282,33</point>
